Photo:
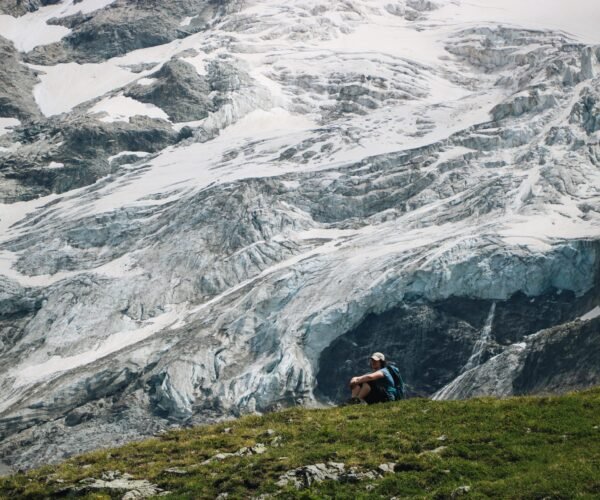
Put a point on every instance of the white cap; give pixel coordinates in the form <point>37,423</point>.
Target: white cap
<point>377,356</point>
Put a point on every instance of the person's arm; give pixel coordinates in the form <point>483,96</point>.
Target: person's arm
<point>368,377</point>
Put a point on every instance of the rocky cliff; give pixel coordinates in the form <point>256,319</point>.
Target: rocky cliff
<point>215,208</point>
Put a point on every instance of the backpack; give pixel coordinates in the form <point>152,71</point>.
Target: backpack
<point>398,382</point>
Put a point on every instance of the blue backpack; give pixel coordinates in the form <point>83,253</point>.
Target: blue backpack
<point>398,382</point>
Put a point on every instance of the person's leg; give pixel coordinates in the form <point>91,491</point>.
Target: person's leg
<point>355,390</point>
<point>364,391</point>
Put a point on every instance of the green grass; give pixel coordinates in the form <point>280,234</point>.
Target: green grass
<point>546,447</point>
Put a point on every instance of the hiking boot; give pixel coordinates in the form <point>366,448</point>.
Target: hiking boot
<point>354,401</point>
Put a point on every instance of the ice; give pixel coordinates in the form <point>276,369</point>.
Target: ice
<point>28,374</point>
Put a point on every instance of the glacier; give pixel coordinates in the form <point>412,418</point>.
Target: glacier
<point>209,208</point>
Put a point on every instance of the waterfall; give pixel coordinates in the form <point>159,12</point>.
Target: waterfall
<point>482,342</point>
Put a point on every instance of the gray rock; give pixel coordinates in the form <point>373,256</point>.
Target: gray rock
<point>117,483</point>
<point>5,470</point>
<point>304,477</point>
<point>257,449</point>
<point>586,112</point>
<point>16,85</point>
<point>177,471</point>
<point>556,360</point>
<point>122,27</point>
<point>179,91</point>
<point>81,148</point>
<point>461,491</point>
<point>20,7</point>
<point>387,468</point>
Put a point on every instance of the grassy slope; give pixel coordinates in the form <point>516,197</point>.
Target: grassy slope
<point>545,447</point>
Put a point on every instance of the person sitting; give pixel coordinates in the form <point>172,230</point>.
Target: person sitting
<point>375,387</point>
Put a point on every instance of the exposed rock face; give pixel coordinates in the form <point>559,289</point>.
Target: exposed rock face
<point>230,221</point>
<point>557,360</point>
<point>57,156</point>
<point>16,85</point>
<point>434,343</point>
<point>185,95</point>
<point>20,7</point>
<point>124,26</point>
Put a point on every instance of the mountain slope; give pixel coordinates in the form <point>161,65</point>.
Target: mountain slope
<point>231,203</point>
<point>418,448</point>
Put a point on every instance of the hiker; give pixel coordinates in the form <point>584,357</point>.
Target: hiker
<point>382,384</point>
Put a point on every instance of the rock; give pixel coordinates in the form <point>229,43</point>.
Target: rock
<point>436,451</point>
<point>20,7</point>
<point>16,85</point>
<point>76,418</point>
<point>257,449</point>
<point>387,468</point>
<point>5,470</point>
<point>116,483</point>
<point>179,90</point>
<point>121,28</point>
<point>81,147</point>
<point>304,477</point>
<point>534,366</point>
<point>177,471</point>
<point>461,491</point>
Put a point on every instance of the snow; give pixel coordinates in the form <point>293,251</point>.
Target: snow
<point>92,80</point>
<point>139,154</point>
<point>541,230</point>
<point>187,21</point>
<point>64,86</point>
<point>181,167</point>
<point>7,261</point>
<point>121,108</point>
<point>594,313</point>
<point>145,81</point>
<point>32,30</point>
<point>6,124</point>
<point>29,31</point>
<point>198,62</point>
<point>578,18</point>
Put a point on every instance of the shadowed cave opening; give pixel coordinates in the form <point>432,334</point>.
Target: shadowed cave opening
<point>432,342</point>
